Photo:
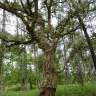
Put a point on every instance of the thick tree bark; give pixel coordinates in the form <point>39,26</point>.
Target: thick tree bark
<point>48,86</point>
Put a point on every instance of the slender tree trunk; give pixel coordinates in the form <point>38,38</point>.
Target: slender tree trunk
<point>66,72</point>
<point>48,87</point>
<point>30,82</point>
<point>1,71</point>
<point>2,53</point>
<point>88,41</point>
<point>79,70</point>
<point>22,61</point>
<point>23,70</point>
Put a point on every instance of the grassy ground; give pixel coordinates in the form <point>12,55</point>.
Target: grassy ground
<point>88,89</point>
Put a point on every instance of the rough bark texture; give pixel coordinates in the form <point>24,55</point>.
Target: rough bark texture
<point>50,76</point>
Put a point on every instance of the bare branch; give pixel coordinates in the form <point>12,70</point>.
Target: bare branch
<point>24,7</point>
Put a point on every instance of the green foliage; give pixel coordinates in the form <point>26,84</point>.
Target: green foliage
<point>89,89</point>
<point>77,90</point>
<point>15,5</point>
<point>11,74</point>
<point>21,93</point>
<point>16,87</point>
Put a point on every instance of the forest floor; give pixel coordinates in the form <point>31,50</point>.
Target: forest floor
<point>89,89</point>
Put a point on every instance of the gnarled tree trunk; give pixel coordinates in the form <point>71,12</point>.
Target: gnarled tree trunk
<point>48,86</point>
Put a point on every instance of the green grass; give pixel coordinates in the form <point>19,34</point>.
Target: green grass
<point>20,93</point>
<point>88,89</point>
